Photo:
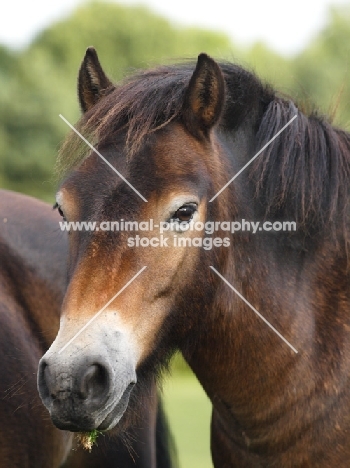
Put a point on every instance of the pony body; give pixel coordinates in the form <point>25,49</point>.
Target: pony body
<point>178,135</point>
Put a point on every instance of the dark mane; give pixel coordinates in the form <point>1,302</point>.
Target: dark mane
<point>302,176</point>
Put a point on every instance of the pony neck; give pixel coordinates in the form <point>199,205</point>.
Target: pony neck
<point>258,386</point>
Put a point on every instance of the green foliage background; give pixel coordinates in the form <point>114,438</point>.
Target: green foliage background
<point>39,82</point>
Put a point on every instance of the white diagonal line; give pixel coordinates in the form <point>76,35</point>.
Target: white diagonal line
<point>253,309</point>
<point>101,310</point>
<point>254,157</point>
<point>103,158</point>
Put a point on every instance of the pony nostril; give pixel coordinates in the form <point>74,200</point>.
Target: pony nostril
<point>94,382</point>
<point>43,376</point>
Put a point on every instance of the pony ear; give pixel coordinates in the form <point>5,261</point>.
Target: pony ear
<point>92,80</point>
<point>205,97</point>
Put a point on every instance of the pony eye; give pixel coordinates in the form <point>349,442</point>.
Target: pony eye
<point>60,211</point>
<point>185,213</point>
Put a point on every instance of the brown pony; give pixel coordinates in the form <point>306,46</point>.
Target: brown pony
<point>33,253</point>
<point>177,135</point>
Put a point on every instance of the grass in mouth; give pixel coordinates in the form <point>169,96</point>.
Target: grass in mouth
<point>88,439</point>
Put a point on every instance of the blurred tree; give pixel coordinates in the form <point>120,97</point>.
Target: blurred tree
<point>39,82</point>
<point>322,70</point>
<point>271,67</point>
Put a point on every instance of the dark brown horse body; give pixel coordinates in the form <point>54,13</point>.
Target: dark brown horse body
<point>178,135</point>
<point>33,272</point>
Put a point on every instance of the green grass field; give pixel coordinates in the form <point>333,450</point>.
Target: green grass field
<point>188,410</point>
